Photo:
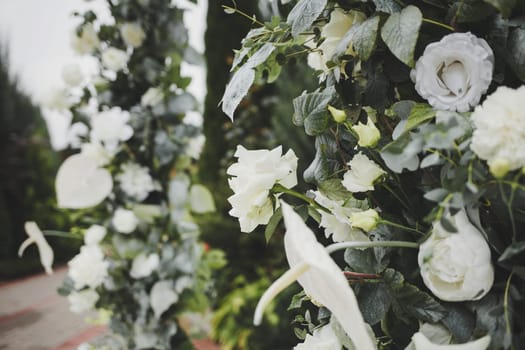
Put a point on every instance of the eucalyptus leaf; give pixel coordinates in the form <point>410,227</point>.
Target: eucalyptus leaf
<point>236,89</point>
<point>515,250</point>
<point>304,14</point>
<point>400,33</point>
<point>334,190</point>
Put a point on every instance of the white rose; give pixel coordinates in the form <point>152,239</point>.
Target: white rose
<point>456,266</point>
<point>114,59</point>
<point>96,151</point>
<point>338,223</point>
<point>453,73</point>
<point>332,33</point>
<point>72,74</point>
<point>110,127</point>
<point>152,97</point>
<point>362,174</point>
<point>124,220</point>
<point>82,301</point>
<point>255,173</point>
<point>499,129</point>
<point>368,134</point>
<point>323,338</point>
<point>143,265</point>
<point>132,34</point>
<point>88,268</point>
<point>81,183</point>
<point>94,234</point>
<point>135,181</point>
<point>76,133</point>
<point>85,42</point>
<point>366,220</point>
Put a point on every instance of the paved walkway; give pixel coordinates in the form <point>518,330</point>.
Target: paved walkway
<point>34,317</point>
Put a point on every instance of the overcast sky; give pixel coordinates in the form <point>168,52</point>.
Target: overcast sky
<point>38,32</point>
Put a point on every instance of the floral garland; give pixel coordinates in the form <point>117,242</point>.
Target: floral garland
<point>418,172</point>
<point>136,133</point>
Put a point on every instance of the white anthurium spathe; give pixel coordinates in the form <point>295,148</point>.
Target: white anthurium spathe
<point>320,277</point>
<point>143,265</point>
<point>254,175</point>
<point>162,296</point>
<point>201,200</point>
<point>323,338</point>
<point>338,224</point>
<point>83,301</point>
<point>455,72</point>
<point>44,249</point>
<point>422,343</point>
<point>81,183</point>
<point>110,127</point>
<point>362,174</point>
<point>456,266</point>
<point>94,234</point>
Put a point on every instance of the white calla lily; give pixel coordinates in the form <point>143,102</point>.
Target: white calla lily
<point>422,343</point>
<point>320,278</point>
<point>81,183</point>
<point>44,249</point>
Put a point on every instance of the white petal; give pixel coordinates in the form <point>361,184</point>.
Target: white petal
<point>80,183</point>
<point>162,297</point>
<point>422,343</point>
<point>201,200</point>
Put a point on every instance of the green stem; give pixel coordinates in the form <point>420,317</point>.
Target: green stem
<point>439,24</point>
<point>396,196</point>
<point>508,205</point>
<point>403,227</point>
<point>506,305</point>
<point>280,188</point>
<point>376,244</point>
<point>61,234</point>
<point>244,14</point>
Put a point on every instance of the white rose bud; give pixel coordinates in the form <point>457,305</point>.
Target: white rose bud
<point>72,74</point>
<point>338,114</point>
<point>124,221</point>
<point>366,220</point>
<point>114,59</point>
<point>499,130</point>
<point>132,34</point>
<point>456,266</point>
<point>362,174</point>
<point>453,73</point>
<point>86,41</point>
<point>368,134</point>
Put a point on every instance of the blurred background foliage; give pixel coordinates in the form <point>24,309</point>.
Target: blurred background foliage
<point>27,172</point>
<point>264,120</point>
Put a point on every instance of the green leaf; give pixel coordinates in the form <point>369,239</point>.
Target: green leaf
<point>374,301</point>
<point>503,6</point>
<point>420,113</point>
<point>387,6</point>
<point>418,304</point>
<point>334,190</point>
<point>304,14</point>
<point>311,111</point>
<point>400,33</point>
<point>272,224</point>
<point>236,89</point>
<point>513,251</point>
<point>362,37</point>
<point>516,52</point>
<point>459,321</point>
<point>363,261</point>
<point>465,11</point>
<point>260,56</point>
<point>297,300</point>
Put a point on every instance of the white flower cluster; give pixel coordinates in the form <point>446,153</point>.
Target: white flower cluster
<point>135,181</point>
<point>88,268</point>
<point>499,130</point>
<point>110,127</point>
<point>254,175</point>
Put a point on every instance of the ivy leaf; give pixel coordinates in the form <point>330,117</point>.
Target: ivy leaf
<point>304,14</point>
<point>236,89</point>
<point>516,52</point>
<point>311,111</point>
<point>465,11</point>
<point>325,162</point>
<point>420,113</point>
<point>400,33</point>
<point>459,321</point>
<point>418,303</point>
<point>387,6</point>
<point>363,261</point>
<point>402,153</point>
<point>374,302</point>
<point>503,6</point>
